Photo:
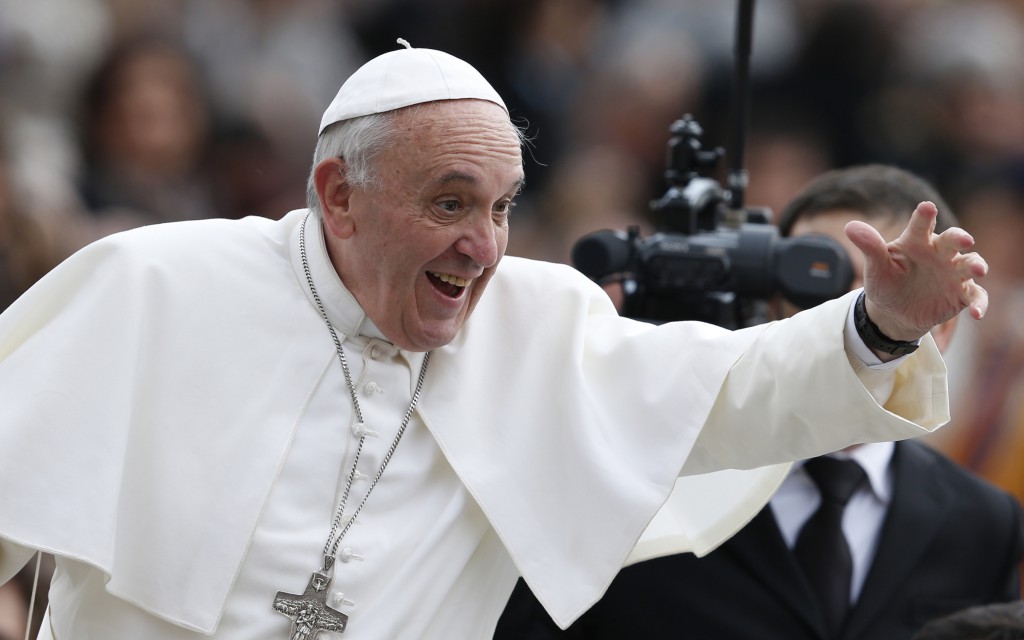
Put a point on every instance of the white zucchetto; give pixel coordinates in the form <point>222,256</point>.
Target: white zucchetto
<point>406,77</point>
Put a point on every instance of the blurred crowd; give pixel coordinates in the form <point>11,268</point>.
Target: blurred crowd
<point>116,113</point>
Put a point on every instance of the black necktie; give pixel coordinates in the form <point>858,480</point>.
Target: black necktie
<point>821,547</point>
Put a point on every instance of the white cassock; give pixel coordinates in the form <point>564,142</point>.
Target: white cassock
<point>175,427</point>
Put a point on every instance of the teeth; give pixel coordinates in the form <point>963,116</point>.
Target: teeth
<point>450,279</point>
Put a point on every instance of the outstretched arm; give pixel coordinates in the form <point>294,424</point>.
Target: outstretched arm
<point>921,278</point>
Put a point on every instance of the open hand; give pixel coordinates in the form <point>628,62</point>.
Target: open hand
<point>920,279</point>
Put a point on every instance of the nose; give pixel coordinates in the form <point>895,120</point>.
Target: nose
<point>481,240</point>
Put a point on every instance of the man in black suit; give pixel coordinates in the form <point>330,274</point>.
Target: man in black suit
<point>925,537</point>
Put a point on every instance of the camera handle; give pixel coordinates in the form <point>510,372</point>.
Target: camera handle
<point>736,177</point>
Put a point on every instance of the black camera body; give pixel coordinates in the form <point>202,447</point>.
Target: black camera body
<point>710,260</point>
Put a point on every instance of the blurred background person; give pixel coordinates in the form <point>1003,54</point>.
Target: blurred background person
<point>32,240</point>
<point>27,248</point>
<point>145,128</point>
<point>269,68</point>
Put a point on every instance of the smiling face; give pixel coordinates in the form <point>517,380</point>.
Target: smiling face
<point>417,249</point>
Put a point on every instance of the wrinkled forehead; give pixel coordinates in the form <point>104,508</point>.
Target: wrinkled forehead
<point>452,113</point>
<point>468,125</point>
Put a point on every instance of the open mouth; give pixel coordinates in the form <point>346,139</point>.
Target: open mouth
<point>449,285</point>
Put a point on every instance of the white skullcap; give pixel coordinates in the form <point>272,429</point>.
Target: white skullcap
<point>405,77</point>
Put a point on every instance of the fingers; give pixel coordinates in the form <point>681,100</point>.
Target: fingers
<point>952,241</point>
<point>977,300</point>
<point>867,239</point>
<point>970,265</point>
<point>920,230</point>
<point>922,221</point>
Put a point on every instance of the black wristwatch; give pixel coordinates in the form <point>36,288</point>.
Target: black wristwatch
<point>872,337</point>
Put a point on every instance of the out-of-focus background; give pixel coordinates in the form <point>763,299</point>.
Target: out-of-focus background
<point>119,113</point>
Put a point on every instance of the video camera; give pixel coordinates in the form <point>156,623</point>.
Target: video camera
<point>709,261</point>
<point>712,259</point>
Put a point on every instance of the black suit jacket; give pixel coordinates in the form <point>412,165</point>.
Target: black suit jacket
<point>948,541</point>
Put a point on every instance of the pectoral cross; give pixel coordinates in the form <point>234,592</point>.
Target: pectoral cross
<point>309,612</point>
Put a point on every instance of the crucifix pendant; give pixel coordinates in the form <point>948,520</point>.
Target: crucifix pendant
<point>309,612</point>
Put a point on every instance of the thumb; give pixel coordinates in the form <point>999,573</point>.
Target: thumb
<point>868,240</point>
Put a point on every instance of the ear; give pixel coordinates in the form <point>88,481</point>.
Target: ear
<point>943,333</point>
<point>330,180</point>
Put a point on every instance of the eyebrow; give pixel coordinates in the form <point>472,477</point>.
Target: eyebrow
<point>459,176</point>
<point>456,176</point>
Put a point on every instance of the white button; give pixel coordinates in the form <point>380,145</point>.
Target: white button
<point>375,352</point>
<point>340,599</point>
<point>359,430</point>
<point>347,554</point>
<point>372,388</point>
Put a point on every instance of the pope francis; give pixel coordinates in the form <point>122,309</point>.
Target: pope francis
<point>323,427</point>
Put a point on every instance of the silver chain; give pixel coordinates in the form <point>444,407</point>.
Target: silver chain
<point>331,547</point>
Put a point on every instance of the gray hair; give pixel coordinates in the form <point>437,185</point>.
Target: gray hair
<point>358,141</point>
